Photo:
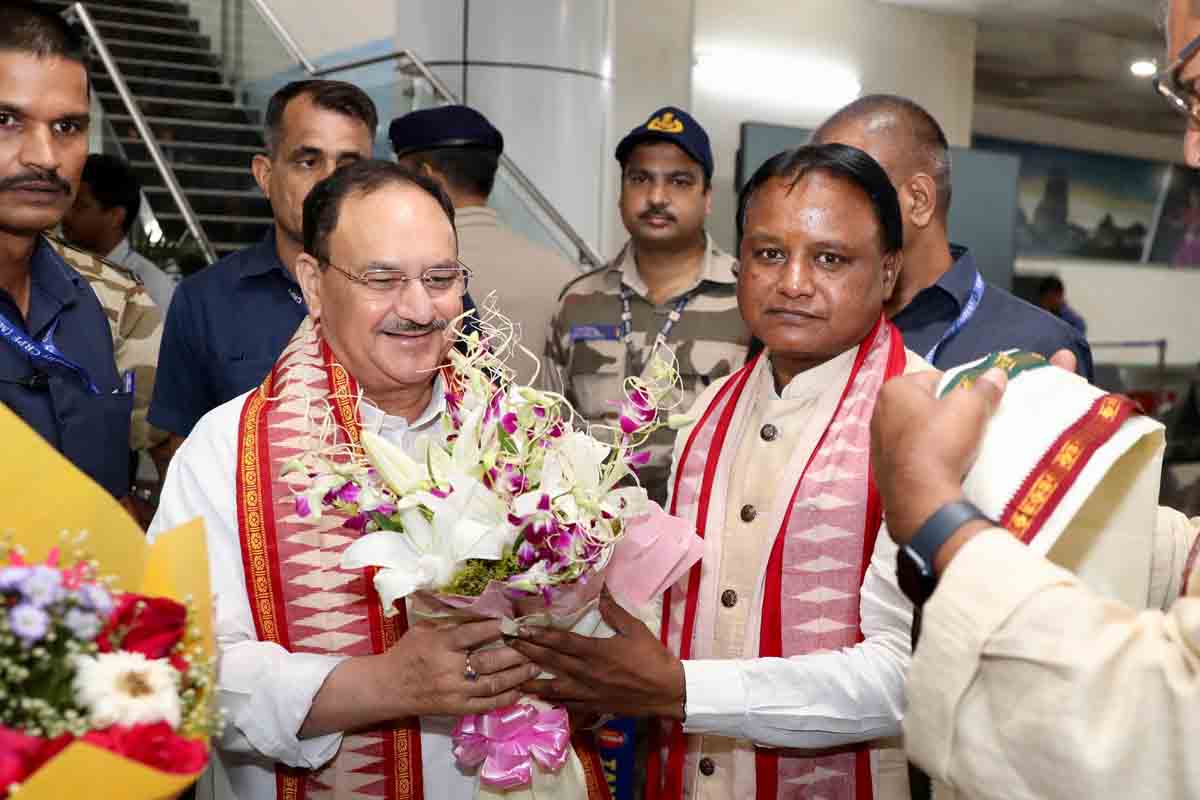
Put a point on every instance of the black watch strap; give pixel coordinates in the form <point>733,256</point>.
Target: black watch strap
<point>941,526</point>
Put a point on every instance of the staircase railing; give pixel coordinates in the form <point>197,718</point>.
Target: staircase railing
<point>408,63</point>
<point>80,14</point>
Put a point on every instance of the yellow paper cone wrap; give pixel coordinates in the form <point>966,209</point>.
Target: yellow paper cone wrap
<point>43,494</point>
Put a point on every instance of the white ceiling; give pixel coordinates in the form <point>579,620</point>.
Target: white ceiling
<point>1066,57</point>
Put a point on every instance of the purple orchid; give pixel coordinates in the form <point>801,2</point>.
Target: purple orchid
<point>303,509</point>
<point>509,423</point>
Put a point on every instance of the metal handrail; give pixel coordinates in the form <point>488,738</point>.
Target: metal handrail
<point>586,253</point>
<point>143,128</point>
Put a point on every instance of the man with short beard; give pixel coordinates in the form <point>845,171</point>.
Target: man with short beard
<point>57,369</point>
<point>670,286</point>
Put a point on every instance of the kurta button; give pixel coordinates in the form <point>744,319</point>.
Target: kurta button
<point>749,512</point>
<point>769,433</point>
<point>707,767</point>
<point>729,598</point>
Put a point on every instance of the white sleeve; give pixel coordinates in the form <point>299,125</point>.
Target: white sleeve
<point>264,691</point>
<point>818,700</point>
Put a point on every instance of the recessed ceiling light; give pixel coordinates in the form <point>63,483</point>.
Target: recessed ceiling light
<point>1143,68</point>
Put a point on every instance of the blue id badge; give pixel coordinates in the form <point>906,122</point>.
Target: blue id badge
<point>595,333</point>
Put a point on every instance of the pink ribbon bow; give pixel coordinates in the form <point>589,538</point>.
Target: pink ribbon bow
<point>508,740</point>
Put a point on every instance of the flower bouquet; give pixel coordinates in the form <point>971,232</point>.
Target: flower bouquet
<point>106,654</point>
<point>513,512</point>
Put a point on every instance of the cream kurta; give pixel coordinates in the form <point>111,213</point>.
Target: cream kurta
<point>1028,685</point>
<point>814,701</point>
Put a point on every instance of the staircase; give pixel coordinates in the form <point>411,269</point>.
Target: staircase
<point>203,131</point>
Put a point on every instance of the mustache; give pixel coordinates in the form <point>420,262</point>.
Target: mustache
<point>656,211</point>
<point>35,180</point>
<point>398,325</point>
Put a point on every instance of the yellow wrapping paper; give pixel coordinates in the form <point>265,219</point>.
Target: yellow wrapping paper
<point>43,494</point>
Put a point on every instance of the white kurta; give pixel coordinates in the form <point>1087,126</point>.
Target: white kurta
<point>267,692</point>
<point>814,701</point>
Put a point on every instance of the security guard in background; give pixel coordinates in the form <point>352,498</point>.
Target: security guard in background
<point>460,149</point>
<point>670,285</point>
<point>57,369</point>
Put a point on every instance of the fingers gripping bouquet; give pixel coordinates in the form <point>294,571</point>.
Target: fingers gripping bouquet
<point>515,512</point>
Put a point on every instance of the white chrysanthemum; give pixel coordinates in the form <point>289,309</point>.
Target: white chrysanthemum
<point>127,689</point>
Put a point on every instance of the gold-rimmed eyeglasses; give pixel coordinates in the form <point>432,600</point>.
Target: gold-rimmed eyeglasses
<point>1169,83</point>
<point>438,281</point>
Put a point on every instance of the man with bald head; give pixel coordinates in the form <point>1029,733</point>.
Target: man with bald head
<point>942,305</point>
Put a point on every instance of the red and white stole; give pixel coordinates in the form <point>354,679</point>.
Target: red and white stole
<point>299,596</point>
<point>814,573</point>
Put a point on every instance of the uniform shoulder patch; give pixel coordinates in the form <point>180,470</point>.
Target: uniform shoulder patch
<point>576,283</point>
<point>91,265</point>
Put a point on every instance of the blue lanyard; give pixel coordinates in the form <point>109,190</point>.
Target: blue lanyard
<point>627,318</point>
<point>963,318</point>
<point>44,351</point>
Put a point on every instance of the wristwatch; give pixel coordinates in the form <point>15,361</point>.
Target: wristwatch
<point>914,563</point>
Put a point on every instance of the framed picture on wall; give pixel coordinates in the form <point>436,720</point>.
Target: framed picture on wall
<point>1175,238</point>
<point>1083,204</point>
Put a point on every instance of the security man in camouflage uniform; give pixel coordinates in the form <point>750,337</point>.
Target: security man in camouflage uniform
<point>137,326</point>
<point>670,286</point>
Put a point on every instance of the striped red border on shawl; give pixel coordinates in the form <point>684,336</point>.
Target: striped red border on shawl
<point>1046,485</point>
<point>260,558</point>
<point>766,762</point>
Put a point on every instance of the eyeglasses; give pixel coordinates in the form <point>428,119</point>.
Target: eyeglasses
<point>438,281</point>
<point>1169,83</point>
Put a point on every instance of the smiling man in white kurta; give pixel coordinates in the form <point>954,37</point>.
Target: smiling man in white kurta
<point>792,632</point>
<point>326,697</point>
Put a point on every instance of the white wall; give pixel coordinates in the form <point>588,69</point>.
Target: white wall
<point>1127,302</point>
<point>324,28</point>
<point>652,67</point>
<point>928,57</point>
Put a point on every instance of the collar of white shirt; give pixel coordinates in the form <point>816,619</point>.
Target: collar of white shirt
<point>394,428</point>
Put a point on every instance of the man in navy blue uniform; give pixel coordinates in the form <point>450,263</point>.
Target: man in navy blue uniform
<point>946,311</point>
<point>229,322</point>
<point>57,370</point>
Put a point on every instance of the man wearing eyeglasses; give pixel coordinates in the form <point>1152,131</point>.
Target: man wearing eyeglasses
<point>1026,684</point>
<point>321,691</point>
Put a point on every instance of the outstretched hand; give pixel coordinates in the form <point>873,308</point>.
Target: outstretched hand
<point>630,673</point>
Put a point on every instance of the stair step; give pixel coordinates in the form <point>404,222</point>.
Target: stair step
<point>192,110</point>
<point>138,6</point>
<point>171,129</point>
<point>126,31</point>
<point>181,56</point>
<point>221,202</point>
<point>171,90</point>
<point>198,176</point>
<point>181,153</point>
<point>115,13</point>
<point>155,69</point>
<point>233,233</point>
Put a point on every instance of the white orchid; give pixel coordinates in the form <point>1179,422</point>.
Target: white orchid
<point>401,473</point>
<point>468,522</point>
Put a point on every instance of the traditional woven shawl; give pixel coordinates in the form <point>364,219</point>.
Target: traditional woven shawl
<point>816,565</point>
<point>299,596</point>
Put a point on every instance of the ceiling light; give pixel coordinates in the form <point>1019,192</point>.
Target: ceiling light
<point>1143,68</point>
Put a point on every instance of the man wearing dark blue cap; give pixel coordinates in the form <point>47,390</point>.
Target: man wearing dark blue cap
<point>669,286</point>
<point>460,149</point>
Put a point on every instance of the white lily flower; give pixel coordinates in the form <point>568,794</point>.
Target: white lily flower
<point>401,473</point>
<point>469,523</point>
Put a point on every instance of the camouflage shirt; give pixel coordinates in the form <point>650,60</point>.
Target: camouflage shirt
<point>137,326</point>
<point>588,359</point>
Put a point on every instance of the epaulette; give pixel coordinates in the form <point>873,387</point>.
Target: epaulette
<point>571,284</point>
<point>83,261</point>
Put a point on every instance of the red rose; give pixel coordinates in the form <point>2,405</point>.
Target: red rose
<point>151,626</point>
<point>21,755</point>
<point>154,745</point>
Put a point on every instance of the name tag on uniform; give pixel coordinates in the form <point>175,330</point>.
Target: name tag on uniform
<point>595,333</point>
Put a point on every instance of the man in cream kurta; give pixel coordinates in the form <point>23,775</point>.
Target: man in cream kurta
<point>792,632</point>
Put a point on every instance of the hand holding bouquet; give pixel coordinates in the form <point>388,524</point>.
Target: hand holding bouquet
<point>516,513</point>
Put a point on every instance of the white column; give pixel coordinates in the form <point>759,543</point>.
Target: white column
<point>538,69</point>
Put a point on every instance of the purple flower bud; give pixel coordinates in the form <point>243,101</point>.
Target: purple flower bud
<point>303,509</point>
<point>358,522</point>
<point>629,425</point>
<point>526,555</point>
<point>509,423</point>
<point>539,412</point>
<point>349,492</point>
<point>637,458</point>
<point>441,494</point>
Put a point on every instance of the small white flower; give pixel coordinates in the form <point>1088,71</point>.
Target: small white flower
<point>127,689</point>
